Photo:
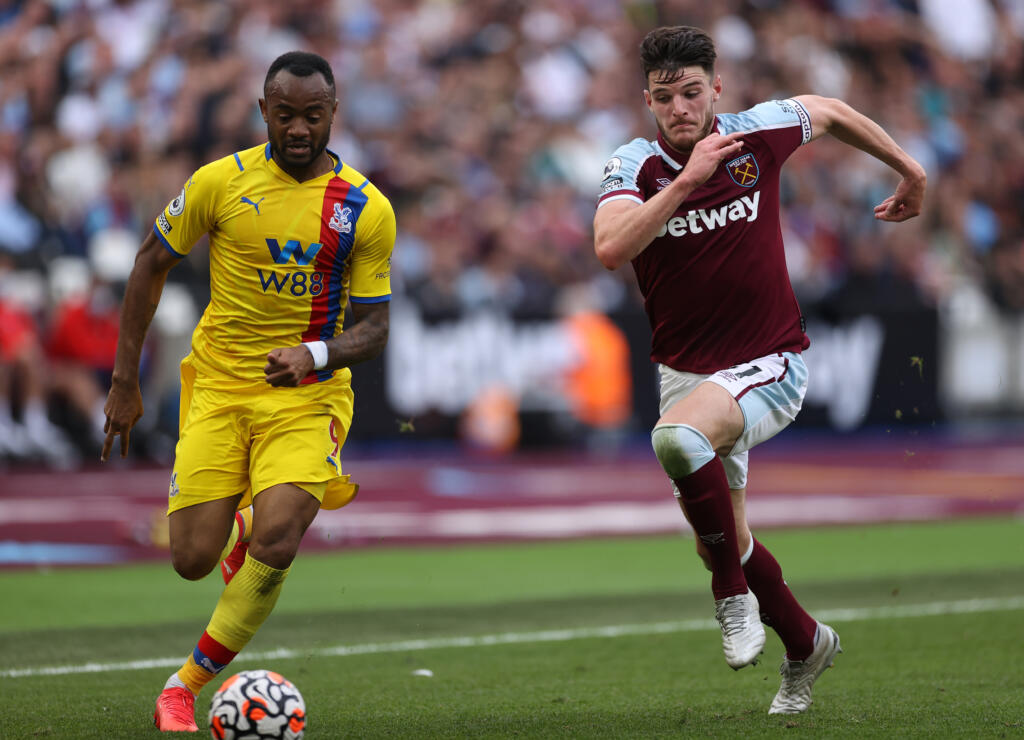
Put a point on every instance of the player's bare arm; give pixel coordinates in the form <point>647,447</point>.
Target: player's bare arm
<point>142,294</point>
<point>623,229</point>
<point>832,116</point>
<point>364,340</point>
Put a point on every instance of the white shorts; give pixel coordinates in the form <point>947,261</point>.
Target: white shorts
<point>770,391</point>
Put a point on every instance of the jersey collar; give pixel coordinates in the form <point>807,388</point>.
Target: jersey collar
<point>338,166</point>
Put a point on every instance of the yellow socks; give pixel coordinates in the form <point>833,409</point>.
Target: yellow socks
<point>243,606</point>
<point>245,603</point>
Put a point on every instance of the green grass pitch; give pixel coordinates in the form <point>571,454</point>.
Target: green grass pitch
<point>590,638</point>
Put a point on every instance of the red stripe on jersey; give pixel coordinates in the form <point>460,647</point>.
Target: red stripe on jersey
<point>335,192</point>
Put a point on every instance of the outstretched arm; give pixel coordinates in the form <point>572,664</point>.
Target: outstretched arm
<point>832,116</point>
<point>364,340</point>
<point>142,294</point>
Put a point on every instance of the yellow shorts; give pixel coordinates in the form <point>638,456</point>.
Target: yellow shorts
<point>245,440</point>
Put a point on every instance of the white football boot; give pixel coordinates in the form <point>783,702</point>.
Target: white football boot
<point>798,676</point>
<point>742,631</point>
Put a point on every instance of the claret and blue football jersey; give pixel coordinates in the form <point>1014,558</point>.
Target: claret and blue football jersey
<point>714,280</point>
<point>285,257</point>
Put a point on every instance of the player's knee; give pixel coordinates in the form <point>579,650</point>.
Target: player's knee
<point>275,546</point>
<point>277,555</point>
<point>192,565</point>
<point>681,449</point>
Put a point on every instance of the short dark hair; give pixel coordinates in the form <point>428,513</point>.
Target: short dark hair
<point>671,48</point>
<point>300,64</point>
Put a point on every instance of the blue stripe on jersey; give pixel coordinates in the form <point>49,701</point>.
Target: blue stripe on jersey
<point>163,240</point>
<point>356,200</point>
<point>771,114</point>
<point>371,299</point>
<point>266,152</point>
<point>239,163</point>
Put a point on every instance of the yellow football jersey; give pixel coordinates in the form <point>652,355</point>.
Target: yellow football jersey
<point>285,258</point>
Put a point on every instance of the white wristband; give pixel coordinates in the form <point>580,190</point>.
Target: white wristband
<point>319,352</point>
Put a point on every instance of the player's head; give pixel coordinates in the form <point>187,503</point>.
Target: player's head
<point>298,105</point>
<point>679,68</point>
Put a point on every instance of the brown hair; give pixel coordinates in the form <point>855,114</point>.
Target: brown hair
<point>667,50</point>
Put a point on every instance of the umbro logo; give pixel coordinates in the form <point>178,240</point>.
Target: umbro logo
<point>713,539</point>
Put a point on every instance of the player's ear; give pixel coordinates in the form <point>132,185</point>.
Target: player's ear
<point>263,109</point>
<point>716,87</point>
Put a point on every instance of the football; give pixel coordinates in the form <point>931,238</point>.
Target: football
<point>257,704</point>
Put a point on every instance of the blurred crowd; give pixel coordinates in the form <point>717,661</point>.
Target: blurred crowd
<point>487,124</point>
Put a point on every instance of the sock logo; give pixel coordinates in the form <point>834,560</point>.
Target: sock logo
<point>713,539</point>
<point>205,662</point>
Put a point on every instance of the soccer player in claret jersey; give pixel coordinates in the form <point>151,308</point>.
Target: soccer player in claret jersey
<point>266,400</point>
<point>696,212</point>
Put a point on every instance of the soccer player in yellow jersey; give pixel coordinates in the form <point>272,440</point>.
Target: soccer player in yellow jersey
<point>266,400</point>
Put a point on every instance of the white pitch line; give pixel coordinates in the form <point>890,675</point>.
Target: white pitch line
<point>931,609</point>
